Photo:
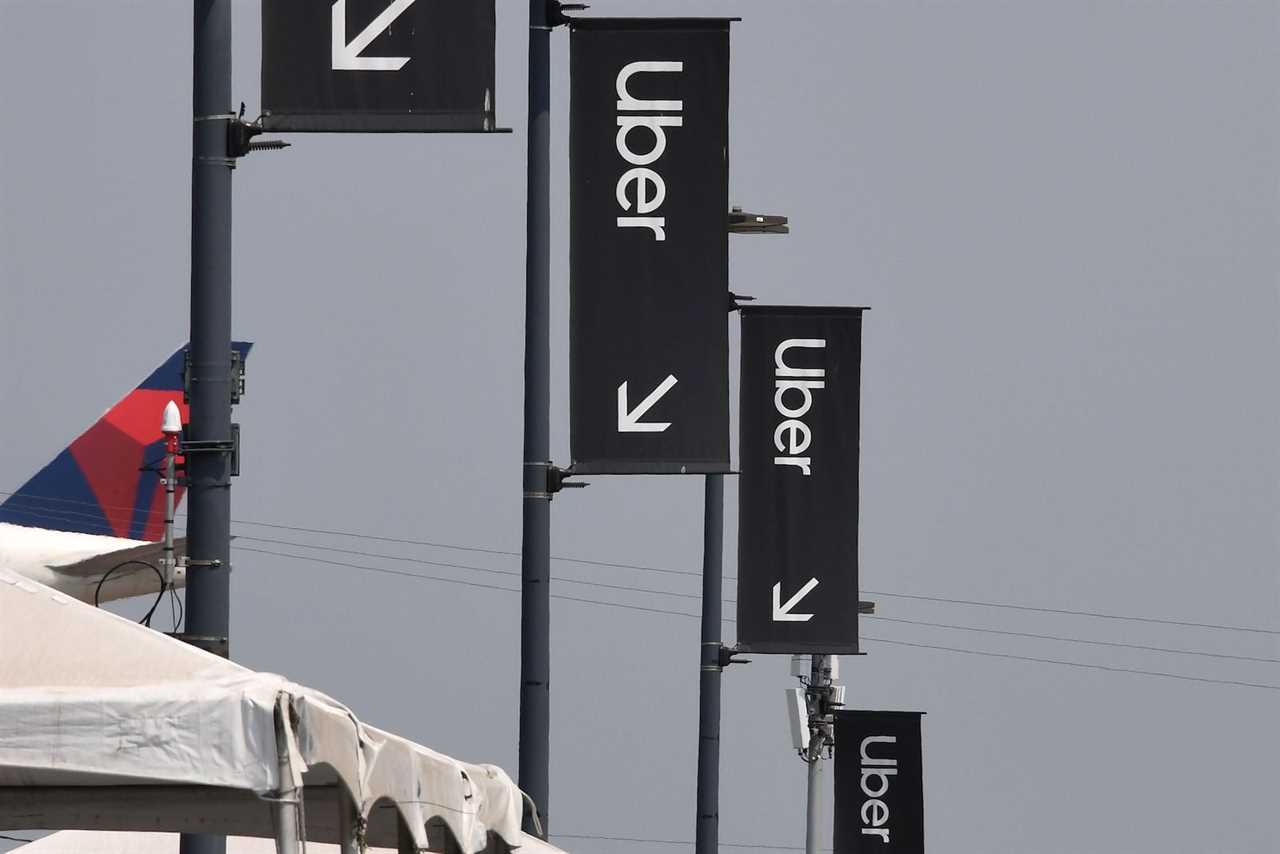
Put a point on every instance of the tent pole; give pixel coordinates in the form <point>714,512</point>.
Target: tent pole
<point>404,839</point>
<point>290,836</point>
<point>348,823</point>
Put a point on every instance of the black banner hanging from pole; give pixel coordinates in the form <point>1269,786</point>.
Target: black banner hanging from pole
<point>378,65</point>
<point>879,785</point>
<point>649,256</point>
<point>798,493</point>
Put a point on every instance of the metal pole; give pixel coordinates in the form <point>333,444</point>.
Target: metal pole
<point>813,807</point>
<point>819,686</point>
<point>170,476</point>
<point>405,843</point>
<point>209,380</point>
<point>348,823</point>
<point>535,550</point>
<point>291,837</point>
<point>707,834</point>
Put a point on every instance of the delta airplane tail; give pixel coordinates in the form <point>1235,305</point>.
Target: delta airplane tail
<point>101,499</point>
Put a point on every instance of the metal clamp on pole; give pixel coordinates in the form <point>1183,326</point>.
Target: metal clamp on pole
<point>236,378</point>
<point>727,657</point>
<point>741,222</point>
<point>558,479</point>
<point>556,12</point>
<point>240,136</point>
<point>219,646</point>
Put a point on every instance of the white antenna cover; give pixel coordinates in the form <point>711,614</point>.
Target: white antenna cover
<point>172,422</point>
<point>798,715</point>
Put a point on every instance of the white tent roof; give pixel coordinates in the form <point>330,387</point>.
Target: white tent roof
<point>107,842</point>
<point>107,725</point>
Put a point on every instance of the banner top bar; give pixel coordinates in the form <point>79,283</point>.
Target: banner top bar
<point>651,23</point>
<point>803,310</point>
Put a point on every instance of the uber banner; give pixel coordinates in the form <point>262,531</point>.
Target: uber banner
<point>879,801</point>
<point>377,65</point>
<point>798,493</point>
<point>649,246</point>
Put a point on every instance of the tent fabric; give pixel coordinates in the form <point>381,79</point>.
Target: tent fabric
<point>95,710</point>
<point>105,842</point>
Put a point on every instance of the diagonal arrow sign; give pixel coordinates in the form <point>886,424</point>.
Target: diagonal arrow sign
<point>782,613</point>
<point>629,419</point>
<point>346,55</point>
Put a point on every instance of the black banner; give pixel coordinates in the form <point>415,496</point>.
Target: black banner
<point>798,494</point>
<point>649,248</point>
<point>378,65</point>
<point>879,802</point>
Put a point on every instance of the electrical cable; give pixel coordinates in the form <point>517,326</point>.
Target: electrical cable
<point>97,591</point>
<point>645,568</point>
<point>1097,614</point>
<point>510,572</point>
<point>1118,644</point>
<point>1077,664</point>
<point>962,650</point>
<point>421,577</point>
<point>698,596</point>
<point>176,608</point>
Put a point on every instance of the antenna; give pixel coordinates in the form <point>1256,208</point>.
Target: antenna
<point>171,427</point>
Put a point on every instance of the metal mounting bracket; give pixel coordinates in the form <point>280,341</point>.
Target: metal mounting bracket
<point>209,643</point>
<point>237,376</point>
<point>557,479</point>
<point>727,654</point>
<point>556,12</point>
<point>240,136</point>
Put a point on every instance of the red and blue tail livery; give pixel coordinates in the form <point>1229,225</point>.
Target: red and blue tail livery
<point>107,481</point>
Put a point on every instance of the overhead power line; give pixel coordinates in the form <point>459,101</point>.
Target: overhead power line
<point>651,591</point>
<point>508,572</point>
<point>1097,614</point>
<point>1077,664</point>
<point>694,573</point>
<point>1089,642</point>
<point>421,577</point>
<point>36,514</point>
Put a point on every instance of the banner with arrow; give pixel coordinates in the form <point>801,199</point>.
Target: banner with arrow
<point>649,257</point>
<point>798,493</point>
<point>378,65</point>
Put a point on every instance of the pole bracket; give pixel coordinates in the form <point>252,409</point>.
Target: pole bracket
<point>230,447</point>
<point>219,646</point>
<point>742,222</point>
<point>557,479</point>
<point>727,654</point>
<point>240,136</point>
<point>236,377</point>
<point>556,12</point>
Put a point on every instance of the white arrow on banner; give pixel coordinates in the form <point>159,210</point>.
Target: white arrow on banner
<point>782,613</point>
<point>629,419</point>
<point>346,56</point>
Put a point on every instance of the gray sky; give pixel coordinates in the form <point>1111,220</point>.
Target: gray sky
<point>1064,217</point>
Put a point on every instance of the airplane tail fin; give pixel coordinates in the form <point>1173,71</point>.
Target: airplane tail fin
<point>107,481</point>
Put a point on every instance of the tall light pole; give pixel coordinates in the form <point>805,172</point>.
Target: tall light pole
<point>713,655</point>
<point>209,378</point>
<point>535,546</point>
